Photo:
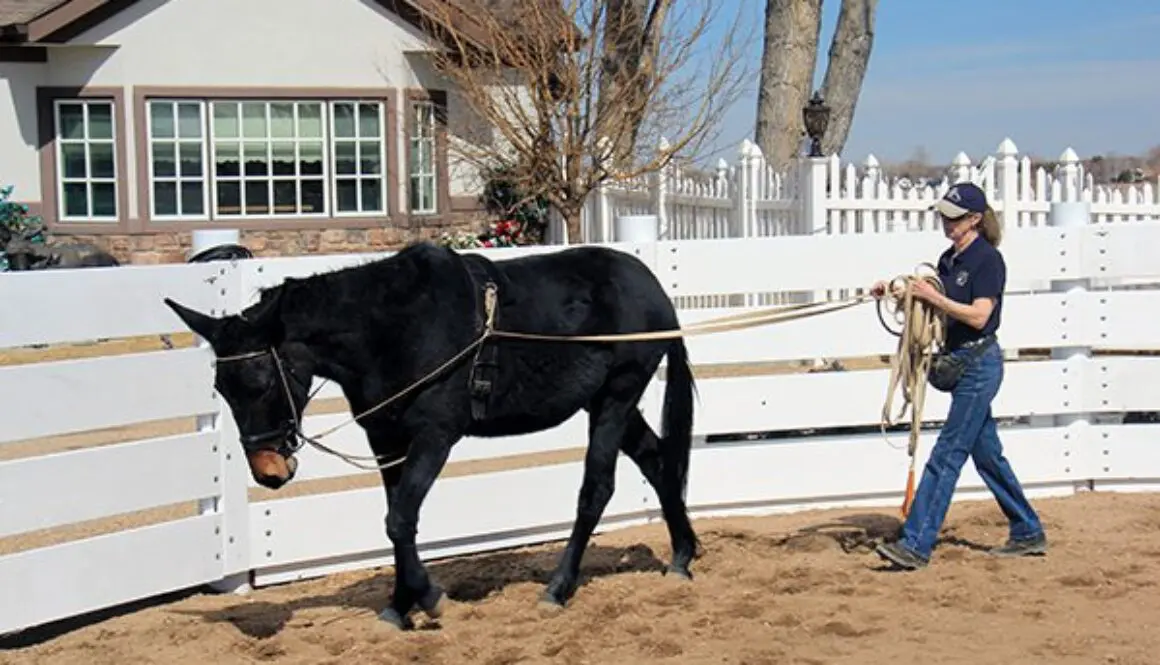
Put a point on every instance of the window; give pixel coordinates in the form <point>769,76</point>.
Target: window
<point>268,159</point>
<point>358,157</point>
<point>241,159</point>
<point>422,161</point>
<point>86,164</point>
<point>178,187</point>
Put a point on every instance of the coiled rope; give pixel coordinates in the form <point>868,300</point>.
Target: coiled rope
<point>922,329</point>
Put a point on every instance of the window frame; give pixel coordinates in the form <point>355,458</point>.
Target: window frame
<point>384,140</point>
<point>422,135</point>
<point>51,180</point>
<point>440,163</point>
<point>86,142</point>
<point>206,177</point>
<point>388,103</point>
<point>270,178</point>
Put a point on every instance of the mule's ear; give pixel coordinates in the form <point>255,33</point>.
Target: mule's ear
<point>202,324</point>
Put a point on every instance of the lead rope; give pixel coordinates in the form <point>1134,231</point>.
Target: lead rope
<point>922,328</point>
<point>721,324</point>
<point>725,323</point>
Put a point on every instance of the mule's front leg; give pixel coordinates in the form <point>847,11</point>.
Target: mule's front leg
<point>405,497</point>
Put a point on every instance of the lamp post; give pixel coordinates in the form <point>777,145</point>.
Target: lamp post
<point>816,116</point>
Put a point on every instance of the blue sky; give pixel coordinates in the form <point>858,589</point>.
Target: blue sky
<point>947,77</point>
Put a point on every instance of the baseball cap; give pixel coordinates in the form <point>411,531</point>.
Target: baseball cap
<point>960,199</point>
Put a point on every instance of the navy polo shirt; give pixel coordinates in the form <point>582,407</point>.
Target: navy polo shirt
<point>978,272</point>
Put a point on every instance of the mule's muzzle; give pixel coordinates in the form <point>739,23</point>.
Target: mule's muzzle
<point>271,468</point>
<point>271,455</point>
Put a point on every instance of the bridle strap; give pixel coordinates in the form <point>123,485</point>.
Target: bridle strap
<point>293,427</point>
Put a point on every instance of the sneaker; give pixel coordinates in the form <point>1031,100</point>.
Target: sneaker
<point>900,556</point>
<point>1036,545</point>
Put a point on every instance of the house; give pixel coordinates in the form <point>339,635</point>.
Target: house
<point>309,125</point>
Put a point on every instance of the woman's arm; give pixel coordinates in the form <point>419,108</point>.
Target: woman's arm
<point>974,315</point>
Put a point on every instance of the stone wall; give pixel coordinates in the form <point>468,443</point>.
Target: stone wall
<point>173,247</point>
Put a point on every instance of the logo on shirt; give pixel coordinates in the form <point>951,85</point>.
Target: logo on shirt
<point>962,277</point>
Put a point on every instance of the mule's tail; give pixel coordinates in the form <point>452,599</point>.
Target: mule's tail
<point>677,417</point>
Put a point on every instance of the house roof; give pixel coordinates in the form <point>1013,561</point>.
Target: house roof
<point>22,11</point>
<point>55,21</point>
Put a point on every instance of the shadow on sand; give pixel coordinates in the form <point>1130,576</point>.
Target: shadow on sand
<point>468,579</point>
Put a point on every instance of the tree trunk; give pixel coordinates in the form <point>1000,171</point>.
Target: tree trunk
<point>788,60</point>
<point>849,57</point>
<point>570,214</point>
<point>626,69</point>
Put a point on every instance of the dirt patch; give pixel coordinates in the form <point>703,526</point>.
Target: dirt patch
<point>800,588</point>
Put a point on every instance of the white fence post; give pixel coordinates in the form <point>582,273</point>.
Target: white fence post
<point>812,186</point>
<point>813,177</point>
<point>603,209</point>
<point>1007,177</point>
<point>753,167</point>
<point>1074,216</point>
<point>203,239</point>
<point>660,195</point>
<point>871,189</point>
<point>234,503</point>
<point>637,228</point>
<point>960,168</point>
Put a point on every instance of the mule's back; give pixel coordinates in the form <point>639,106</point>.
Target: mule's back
<point>577,291</point>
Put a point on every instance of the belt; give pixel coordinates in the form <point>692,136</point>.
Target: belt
<point>984,341</point>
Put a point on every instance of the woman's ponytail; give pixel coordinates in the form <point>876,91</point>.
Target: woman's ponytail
<point>990,229</point>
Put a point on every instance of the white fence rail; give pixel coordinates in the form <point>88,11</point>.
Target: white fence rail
<point>824,195</point>
<point>60,557</point>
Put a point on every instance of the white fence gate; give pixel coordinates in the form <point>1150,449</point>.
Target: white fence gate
<point>121,476</point>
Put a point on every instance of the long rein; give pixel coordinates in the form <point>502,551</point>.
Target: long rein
<point>920,328</point>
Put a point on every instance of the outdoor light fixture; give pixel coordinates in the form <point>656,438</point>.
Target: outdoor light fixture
<point>816,116</point>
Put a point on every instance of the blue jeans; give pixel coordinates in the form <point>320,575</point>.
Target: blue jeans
<point>969,431</point>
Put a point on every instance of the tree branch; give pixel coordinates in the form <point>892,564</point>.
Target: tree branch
<point>583,92</point>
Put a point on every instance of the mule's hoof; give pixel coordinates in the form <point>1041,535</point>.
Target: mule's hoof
<point>682,572</point>
<point>432,603</point>
<point>390,617</point>
<point>549,603</point>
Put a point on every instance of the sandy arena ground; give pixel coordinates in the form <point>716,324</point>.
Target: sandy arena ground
<point>788,589</point>
<point>791,589</point>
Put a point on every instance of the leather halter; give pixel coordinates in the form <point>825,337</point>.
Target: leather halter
<point>289,433</point>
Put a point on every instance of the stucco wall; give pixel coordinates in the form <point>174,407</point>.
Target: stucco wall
<point>19,162</point>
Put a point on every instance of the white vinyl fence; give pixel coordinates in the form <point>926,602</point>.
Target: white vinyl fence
<point>826,195</point>
<point>147,510</point>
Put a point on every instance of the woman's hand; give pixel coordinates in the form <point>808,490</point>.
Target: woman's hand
<point>878,289</point>
<point>925,291</point>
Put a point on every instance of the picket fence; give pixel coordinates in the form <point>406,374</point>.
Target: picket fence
<point>73,538</point>
<point>826,196</point>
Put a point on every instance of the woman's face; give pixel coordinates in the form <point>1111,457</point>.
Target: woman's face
<point>955,228</point>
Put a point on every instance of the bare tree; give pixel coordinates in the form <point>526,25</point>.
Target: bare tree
<point>586,91</point>
<point>788,63</point>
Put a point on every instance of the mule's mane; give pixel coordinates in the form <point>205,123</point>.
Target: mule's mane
<point>342,299</point>
<point>371,271</point>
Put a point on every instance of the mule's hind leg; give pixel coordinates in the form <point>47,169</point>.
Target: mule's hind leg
<point>605,431</point>
<point>640,444</point>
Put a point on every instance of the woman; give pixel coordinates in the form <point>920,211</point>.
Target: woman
<point>974,276</point>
